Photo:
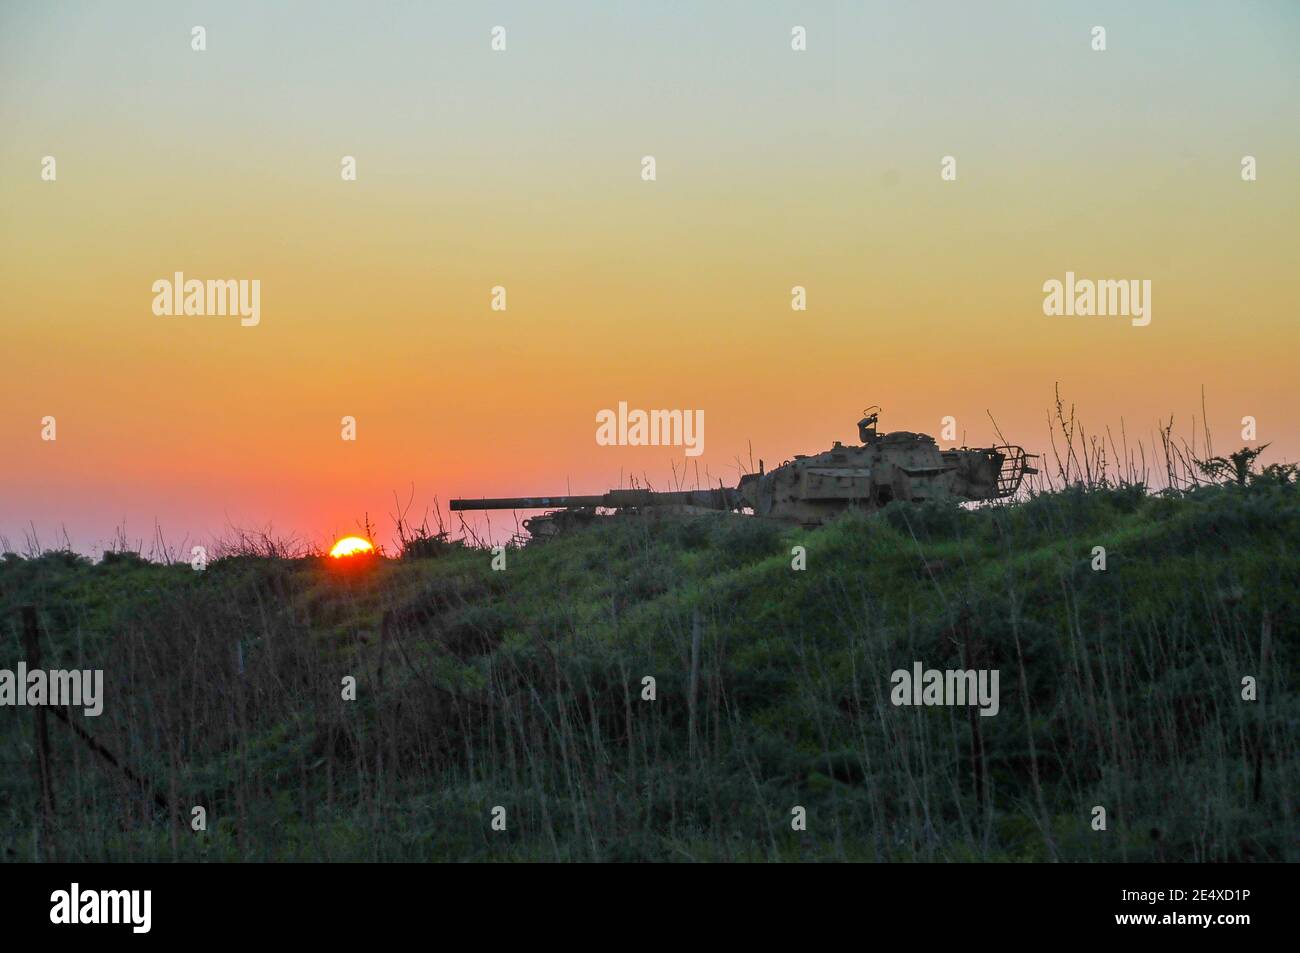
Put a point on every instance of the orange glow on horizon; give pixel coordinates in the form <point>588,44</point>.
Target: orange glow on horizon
<point>376,298</point>
<point>351,546</point>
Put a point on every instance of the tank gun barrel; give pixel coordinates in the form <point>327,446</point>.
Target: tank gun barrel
<point>719,499</point>
<point>527,502</point>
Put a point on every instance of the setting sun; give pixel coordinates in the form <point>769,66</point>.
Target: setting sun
<point>351,546</point>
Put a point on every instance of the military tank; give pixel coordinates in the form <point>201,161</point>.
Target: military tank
<point>810,489</point>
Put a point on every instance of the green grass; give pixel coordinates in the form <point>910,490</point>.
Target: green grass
<point>522,689</point>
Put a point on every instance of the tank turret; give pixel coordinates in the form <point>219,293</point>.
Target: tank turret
<point>905,466</point>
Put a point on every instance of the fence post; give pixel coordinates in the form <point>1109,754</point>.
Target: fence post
<point>44,767</point>
<point>694,684</point>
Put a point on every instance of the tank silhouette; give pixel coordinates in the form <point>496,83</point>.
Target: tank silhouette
<point>810,489</point>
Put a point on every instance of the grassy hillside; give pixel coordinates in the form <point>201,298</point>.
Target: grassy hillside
<point>523,689</point>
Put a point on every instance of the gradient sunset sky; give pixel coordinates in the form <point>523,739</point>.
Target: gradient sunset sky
<point>523,169</point>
